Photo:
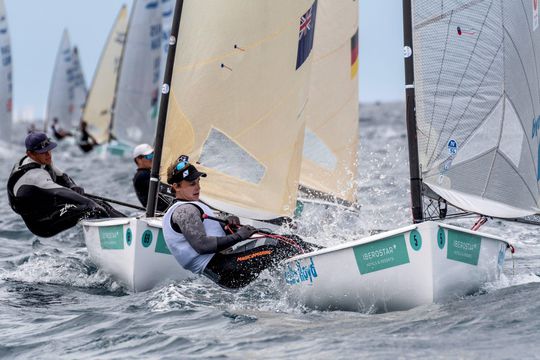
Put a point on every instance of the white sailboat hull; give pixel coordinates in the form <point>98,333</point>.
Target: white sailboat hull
<point>396,270</point>
<point>133,251</point>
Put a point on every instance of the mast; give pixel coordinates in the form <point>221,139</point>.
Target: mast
<point>163,107</point>
<point>410,104</point>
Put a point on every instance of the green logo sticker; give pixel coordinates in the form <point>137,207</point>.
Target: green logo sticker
<point>441,238</point>
<point>415,240</point>
<point>111,237</point>
<point>381,254</point>
<point>463,247</point>
<point>161,245</point>
<point>147,238</point>
<point>129,237</point>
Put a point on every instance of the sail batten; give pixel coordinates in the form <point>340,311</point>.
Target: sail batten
<point>478,97</point>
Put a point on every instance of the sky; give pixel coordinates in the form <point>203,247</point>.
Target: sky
<point>36,27</point>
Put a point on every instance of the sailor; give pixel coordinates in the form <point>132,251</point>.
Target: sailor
<point>58,132</point>
<point>48,200</point>
<point>86,141</point>
<point>142,156</point>
<point>201,245</point>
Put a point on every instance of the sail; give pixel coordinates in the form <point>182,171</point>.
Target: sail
<point>6,85</point>
<point>167,10</point>
<point>136,103</point>
<point>65,101</point>
<point>477,88</point>
<point>239,85</point>
<point>331,139</point>
<point>99,103</point>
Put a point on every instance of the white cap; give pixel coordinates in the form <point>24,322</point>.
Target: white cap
<point>142,149</point>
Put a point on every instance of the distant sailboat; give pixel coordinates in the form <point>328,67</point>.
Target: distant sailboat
<point>6,78</point>
<point>137,92</point>
<point>67,92</point>
<point>329,159</point>
<point>99,103</point>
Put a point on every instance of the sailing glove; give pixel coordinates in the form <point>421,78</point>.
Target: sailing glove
<point>233,220</point>
<point>79,190</point>
<point>245,232</point>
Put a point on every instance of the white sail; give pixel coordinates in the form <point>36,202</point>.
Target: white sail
<point>99,103</point>
<point>136,103</point>
<point>478,103</point>
<point>6,80</point>
<point>237,93</point>
<point>167,12</point>
<point>65,102</point>
<point>330,146</point>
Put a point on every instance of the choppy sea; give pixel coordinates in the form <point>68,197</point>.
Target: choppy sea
<point>55,304</point>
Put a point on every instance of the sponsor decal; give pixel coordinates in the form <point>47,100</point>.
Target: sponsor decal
<point>463,247</point>
<point>65,209</point>
<point>111,237</point>
<point>161,245</point>
<point>415,239</point>
<point>297,273</point>
<point>146,239</point>
<point>452,147</point>
<point>381,254</point>
<point>441,238</point>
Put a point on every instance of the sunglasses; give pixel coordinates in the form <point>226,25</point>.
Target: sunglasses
<point>149,156</point>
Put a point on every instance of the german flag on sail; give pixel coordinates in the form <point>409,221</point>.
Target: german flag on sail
<point>354,55</point>
<point>306,35</point>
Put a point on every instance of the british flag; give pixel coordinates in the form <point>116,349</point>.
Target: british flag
<point>306,34</point>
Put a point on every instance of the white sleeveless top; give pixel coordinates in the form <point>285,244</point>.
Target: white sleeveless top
<point>180,248</point>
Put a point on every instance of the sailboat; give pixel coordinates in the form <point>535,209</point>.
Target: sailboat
<point>472,98</point>
<point>67,92</point>
<point>6,82</point>
<point>233,101</point>
<point>99,103</point>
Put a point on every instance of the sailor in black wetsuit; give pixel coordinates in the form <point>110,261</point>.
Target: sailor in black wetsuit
<point>142,156</point>
<point>86,141</point>
<point>201,244</point>
<point>48,200</point>
<point>59,133</point>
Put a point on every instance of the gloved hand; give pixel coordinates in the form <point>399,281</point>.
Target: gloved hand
<point>245,232</point>
<point>233,220</point>
<point>79,190</point>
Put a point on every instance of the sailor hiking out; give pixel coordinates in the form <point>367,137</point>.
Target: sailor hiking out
<point>48,200</point>
<point>200,243</point>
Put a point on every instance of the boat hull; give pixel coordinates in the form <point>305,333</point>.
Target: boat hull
<point>133,251</point>
<point>396,270</point>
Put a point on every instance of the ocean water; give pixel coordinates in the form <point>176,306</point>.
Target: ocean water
<point>55,304</point>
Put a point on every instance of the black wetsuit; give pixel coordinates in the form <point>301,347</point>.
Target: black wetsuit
<point>86,143</point>
<point>141,183</point>
<point>43,196</point>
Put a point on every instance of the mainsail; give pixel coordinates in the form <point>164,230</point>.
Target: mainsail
<point>477,68</point>
<point>68,89</point>
<point>136,103</point>
<point>238,89</point>
<point>330,146</point>
<point>6,85</point>
<point>99,103</point>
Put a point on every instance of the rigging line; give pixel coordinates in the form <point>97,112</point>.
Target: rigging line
<point>437,86</point>
<point>461,81</point>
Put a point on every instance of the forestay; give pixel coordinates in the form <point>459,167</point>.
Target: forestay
<point>6,85</point>
<point>237,93</point>
<point>65,102</point>
<point>478,103</point>
<point>136,103</point>
<point>330,146</point>
<point>97,112</point>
